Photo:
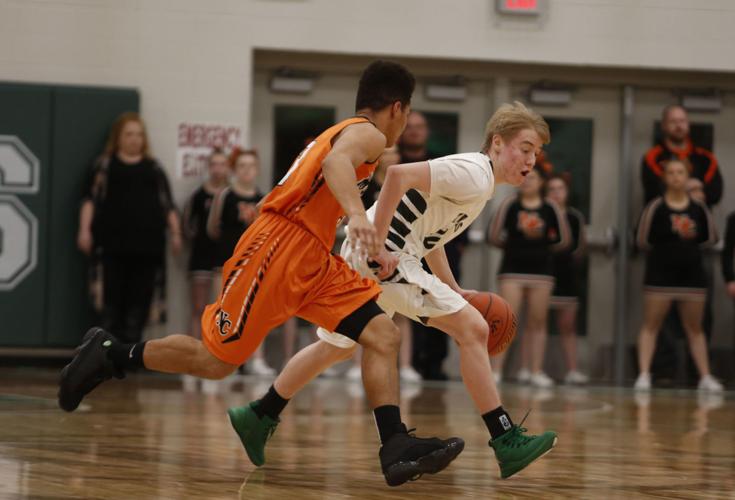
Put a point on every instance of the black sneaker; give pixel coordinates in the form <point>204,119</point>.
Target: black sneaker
<point>404,457</point>
<point>89,368</point>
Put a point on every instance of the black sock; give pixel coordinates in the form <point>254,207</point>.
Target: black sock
<point>126,355</point>
<point>498,422</point>
<point>272,404</point>
<point>388,420</point>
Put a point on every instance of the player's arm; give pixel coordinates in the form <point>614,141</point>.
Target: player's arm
<point>398,180</point>
<point>356,145</point>
<point>439,265</point>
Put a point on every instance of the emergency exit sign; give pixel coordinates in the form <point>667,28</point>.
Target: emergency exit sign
<point>525,7</point>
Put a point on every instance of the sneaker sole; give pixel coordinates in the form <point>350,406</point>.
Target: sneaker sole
<point>242,439</point>
<point>532,461</point>
<point>402,472</point>
<point>65,399</point>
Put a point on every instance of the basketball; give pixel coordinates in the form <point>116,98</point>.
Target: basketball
<point>500,318</point>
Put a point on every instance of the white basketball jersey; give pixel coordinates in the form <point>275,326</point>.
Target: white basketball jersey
<point>461,185</point>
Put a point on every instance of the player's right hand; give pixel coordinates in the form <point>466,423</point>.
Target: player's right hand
<point>85,242</point>
<point>363,234</point>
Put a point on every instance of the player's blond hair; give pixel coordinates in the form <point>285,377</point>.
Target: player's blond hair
<point>510,119</point>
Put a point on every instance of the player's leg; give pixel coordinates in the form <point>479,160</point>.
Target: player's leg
<point>406,370</point>
<point>538,311</point>
<point>513,449</point>
<point>655,308</point>
<point>512,292</point>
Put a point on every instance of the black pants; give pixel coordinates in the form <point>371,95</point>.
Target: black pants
<point>129,282</point>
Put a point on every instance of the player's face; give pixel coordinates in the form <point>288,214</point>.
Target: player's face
<point>219,168</point>
<point>676,125</point>
<point>675,176</point>
<point>518,155</point>
<point>556,189</point>
<point>131,139</point>
<point>246,169</point>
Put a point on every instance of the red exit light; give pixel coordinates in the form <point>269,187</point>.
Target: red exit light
<point>519,6</point>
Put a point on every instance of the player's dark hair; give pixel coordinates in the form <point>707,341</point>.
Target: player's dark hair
<point>383,83</point>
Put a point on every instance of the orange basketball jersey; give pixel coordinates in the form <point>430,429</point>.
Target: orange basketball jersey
<point>303,197</point>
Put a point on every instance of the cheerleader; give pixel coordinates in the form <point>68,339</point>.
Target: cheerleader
<point>529,229</point>
<point>565,297</point>
<point>673,229</point>
<point>234,209</point>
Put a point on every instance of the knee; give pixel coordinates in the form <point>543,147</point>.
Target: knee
<point>475,333</point>
<point>216,369</point>
<point>381,335</point>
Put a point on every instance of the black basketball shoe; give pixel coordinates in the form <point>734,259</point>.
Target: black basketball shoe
<point>89,368</point>
<point>404,457</point>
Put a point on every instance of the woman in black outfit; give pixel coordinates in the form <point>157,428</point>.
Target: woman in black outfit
<point>567,264</point>
<point>529,229</point>
<point>673,229</point>
<point>125,211</point>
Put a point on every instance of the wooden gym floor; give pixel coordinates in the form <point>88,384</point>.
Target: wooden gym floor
<point>145,438</point>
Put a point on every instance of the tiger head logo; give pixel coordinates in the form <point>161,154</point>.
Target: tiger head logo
<point>684,226</point>
<point>531,225</point>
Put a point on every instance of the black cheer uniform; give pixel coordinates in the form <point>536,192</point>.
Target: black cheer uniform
<point>566,262</point>
<point>674,240</point>
<point>529,237</point>
<point>204,250</point>
<point>227,218</point>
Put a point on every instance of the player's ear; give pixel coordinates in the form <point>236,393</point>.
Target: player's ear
<point>396,109</point>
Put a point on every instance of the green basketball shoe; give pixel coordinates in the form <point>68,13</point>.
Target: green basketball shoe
<point>515,450</point>
<point>254,431</point>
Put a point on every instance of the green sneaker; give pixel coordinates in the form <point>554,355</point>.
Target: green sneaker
<point>253,430</point>
<point>515,451</point>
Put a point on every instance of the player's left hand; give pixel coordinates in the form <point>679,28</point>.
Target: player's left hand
<point>464,293</point>
<point>388,262</point>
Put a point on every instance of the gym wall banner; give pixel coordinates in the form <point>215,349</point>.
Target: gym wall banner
<point>195,143</point>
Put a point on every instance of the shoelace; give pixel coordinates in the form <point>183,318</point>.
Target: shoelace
<point>516,437</point>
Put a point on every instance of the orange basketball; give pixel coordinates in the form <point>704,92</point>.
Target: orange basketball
<point>500,318</point>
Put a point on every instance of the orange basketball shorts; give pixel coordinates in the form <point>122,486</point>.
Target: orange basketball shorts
<point>279,270</point>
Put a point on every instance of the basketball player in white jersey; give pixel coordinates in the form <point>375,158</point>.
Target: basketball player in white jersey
<point>421,207</point>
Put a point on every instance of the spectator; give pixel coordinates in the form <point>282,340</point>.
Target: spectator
<point>234,209</point>
<point>430,346</point>
<point>677,144</point>
<point>567,265</point>
<point>529,229</point>
<point>369,197</point>
<point>125,211</point>
<point>204,250</point>
<point>704,169</point>
<point>674,228</point>
<point>728,256</point>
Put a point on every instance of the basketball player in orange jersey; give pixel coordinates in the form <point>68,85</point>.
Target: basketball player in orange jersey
<point>282,267</point>
<point>421,207</point>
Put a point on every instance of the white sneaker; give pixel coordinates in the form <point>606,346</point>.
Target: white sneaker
<point>211,386</point>
<point>575,377</point>
<point>354,373</point>
<point>541,380</point>
<point>260,368</point>
<point>643,382</point>
<point>498,378</point>
<point>408,374</point>
<point>523,376</point>
<point>708,383</point>
<point>189,383</point>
